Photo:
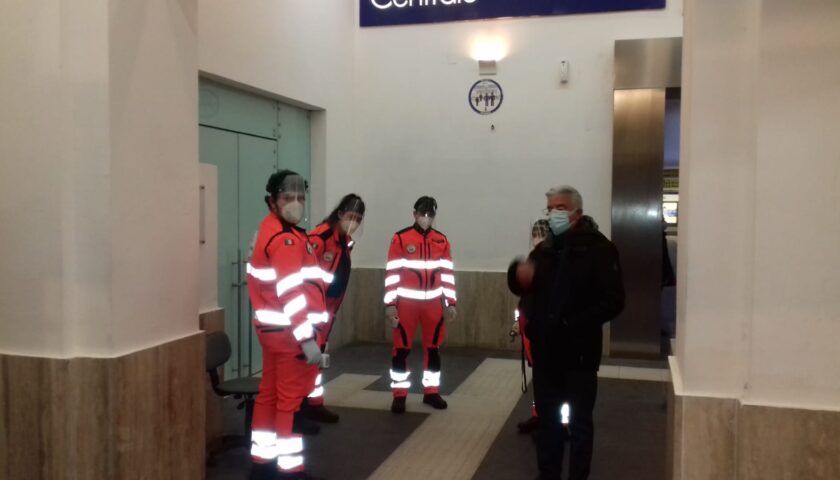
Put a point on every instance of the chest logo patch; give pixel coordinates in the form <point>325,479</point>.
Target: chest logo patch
<point>289,242</point>
<point>309,248</point>
<point>329,256</point>
<point>411,249</point>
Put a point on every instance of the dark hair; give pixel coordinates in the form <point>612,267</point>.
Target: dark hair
<point>274,183</point>
<point>344,205</point>
<point>426,204</point>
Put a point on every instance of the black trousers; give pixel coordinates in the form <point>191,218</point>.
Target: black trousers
<point>552,388</point>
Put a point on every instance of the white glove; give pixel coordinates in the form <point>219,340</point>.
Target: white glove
<point>311,351</point>
<point>451,313</point>
<point>392,315</point>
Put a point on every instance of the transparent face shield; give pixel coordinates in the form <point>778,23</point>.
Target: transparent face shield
<point>291,199</point>
<point>351,219</point>
<point>424,215</point>
<point>538,232</point>
<point>424,220</point>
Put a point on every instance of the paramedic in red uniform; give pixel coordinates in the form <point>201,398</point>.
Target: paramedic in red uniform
<point>332,242</point>
<point>419,290</point>
<point>539,232</point>
<point>285,285</point>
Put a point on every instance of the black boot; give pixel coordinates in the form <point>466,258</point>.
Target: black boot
<point>398,405</point>
<point>319,413</point>
<point>435,400</point>
<point>304,426</point>
<point>528,426</point>
<point>263,471</point>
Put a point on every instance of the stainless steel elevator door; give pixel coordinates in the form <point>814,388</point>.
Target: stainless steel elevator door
<point>638,152</point>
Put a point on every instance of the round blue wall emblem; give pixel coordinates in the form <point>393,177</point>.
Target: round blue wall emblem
<point>485,97</point>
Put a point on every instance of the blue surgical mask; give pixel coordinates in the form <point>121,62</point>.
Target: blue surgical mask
<point>559,222</point>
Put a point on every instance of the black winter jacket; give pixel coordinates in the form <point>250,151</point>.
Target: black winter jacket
<point>577,287</point>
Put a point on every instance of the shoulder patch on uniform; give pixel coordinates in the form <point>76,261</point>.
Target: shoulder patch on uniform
<point>288,242</point>
<point>411,249</point>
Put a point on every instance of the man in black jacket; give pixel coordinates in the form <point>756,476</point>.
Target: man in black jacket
<point>570,286</point>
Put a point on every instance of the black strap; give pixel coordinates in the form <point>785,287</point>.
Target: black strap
<point>524,371</point>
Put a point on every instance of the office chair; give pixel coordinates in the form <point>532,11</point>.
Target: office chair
<point>245,388</point>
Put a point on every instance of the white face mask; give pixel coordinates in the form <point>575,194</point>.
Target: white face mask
<point>424,222</point>
<point>292,212</point>
<point>349,226</point>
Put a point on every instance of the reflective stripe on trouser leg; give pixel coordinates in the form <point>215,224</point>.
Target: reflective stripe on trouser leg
<point>263,424</point>
<point>431,379</point>
<point>290,453</point>
<point>264,446</point>
<point>400,380</point>
<point>400,376</point>
<point>409,312</point>
<point>294,382</point>
<point>316,397</point>
<point>431,374</point>
<point>434,331</point>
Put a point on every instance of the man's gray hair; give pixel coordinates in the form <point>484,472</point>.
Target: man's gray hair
<point>577,199</point>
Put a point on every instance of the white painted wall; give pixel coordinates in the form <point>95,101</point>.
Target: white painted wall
<point>299,50</point>
<point>154,137</point>
<point>391,149</point>
<point>759,258</point>
<point>794,352</point>
<point>717,195</point>
<point>36,141</point>
<point>416,134</point>
<point>98,194</point>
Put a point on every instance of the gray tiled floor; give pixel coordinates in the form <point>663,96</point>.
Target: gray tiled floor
<point>457,363</point>
<point>630,422</point>
<point>349,450</point>
<point>630,426</point>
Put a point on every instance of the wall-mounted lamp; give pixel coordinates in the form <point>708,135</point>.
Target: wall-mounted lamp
<point>487,51</point>
<point>486,67</point>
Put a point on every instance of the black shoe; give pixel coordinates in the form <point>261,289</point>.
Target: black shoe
<point>319,413</point>
<point>435,400</point>
<point>263,471</point>
<point>398,405</point>
<point>304,426</point>
<point>528,426</point>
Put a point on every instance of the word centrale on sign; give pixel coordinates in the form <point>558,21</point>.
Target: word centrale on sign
<point>375,13</point>
<point>386,4</point>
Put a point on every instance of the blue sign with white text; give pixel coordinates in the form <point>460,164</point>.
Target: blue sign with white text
<point>374,13</point>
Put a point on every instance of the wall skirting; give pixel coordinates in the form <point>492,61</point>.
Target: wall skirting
<point>140,415</point>
<point>213,321</point>
<point>724,439</point>
<point>485,311</point>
